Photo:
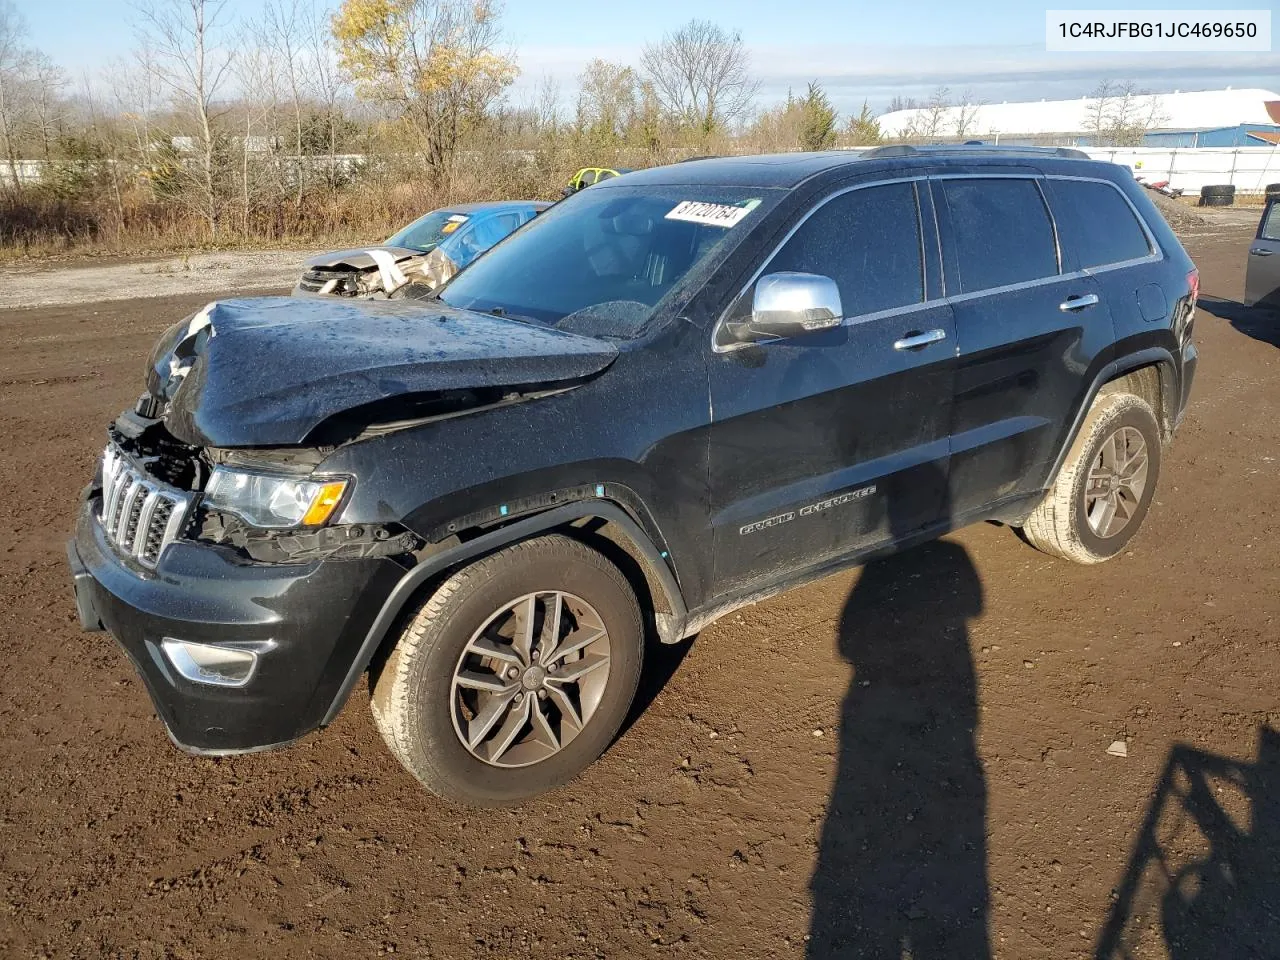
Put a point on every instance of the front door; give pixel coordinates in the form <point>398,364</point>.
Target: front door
<point>1262,281</point>
<point>829,443</point>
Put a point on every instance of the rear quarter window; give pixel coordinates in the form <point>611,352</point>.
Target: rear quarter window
<point>1097,224</point>
<point>1001,232</point>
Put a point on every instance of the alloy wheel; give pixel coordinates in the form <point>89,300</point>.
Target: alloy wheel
<point>530,678</point>
<point>1117,479</point>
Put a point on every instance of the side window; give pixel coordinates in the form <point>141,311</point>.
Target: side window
<point>868,242</point>
<point>485,233</point>
<point>1271,222</point>
<point>1097,223</point>
<point>1002,232</point>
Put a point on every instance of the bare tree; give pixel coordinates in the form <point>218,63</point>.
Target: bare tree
<point>46,83</point>
<point>284,27</point>
<point>966,113</point>
<point>546,108</point>
<point>262,114</point>
<point>701,73</point>
<point>935,112</point>
<point>1132,114</point>
<point>929,121</point>
<point>192,62</point>
<point>327,85</point>
<point>903,103</point>
<point>136,94</point>
<point>14,61</point>
<point>1120,114</point>
<point>1098,108</point>
<point>101,135</point>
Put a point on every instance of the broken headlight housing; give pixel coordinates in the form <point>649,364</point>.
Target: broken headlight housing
<point>274,502</point>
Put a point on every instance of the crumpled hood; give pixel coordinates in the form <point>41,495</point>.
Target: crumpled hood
<point>266,371</point>
<point>358,259</point>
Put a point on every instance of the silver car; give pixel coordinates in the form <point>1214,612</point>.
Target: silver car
<point>1262,279</point>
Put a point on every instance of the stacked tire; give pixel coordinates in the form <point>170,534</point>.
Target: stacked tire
<point>1221,195</point>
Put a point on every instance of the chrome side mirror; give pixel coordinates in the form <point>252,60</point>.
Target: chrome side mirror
<point>788,305</point>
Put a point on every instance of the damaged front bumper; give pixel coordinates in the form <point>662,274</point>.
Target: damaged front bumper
<point>303,624</point>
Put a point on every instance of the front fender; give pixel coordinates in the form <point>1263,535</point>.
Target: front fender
<point>671,626</point>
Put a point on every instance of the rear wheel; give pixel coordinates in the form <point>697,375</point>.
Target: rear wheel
<point>1104,489</point>
<point>515,675</point>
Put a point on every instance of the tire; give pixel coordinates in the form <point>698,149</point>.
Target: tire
<point>1060,524</point>
<point>1221,195</point>
<point>424,695</point>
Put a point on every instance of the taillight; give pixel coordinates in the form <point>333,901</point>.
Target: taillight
<point>1183,329</point>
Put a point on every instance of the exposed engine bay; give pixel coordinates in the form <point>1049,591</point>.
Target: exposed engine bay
<point>374,273</point>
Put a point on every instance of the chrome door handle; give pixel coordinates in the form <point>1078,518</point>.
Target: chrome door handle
<point>916,340</point>
<point>1079,303</point>
<point>1261,252</point>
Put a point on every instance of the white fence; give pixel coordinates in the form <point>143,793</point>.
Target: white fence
<point>29,171</point>
<point>1249,169</point>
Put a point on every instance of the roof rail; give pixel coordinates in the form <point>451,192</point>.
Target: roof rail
<point>906,150</point>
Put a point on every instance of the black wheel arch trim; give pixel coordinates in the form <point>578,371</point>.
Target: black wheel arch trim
<point>495,540</point>
<point>1170,392</point>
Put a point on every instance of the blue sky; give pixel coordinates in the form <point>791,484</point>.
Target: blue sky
<point>857,50</point>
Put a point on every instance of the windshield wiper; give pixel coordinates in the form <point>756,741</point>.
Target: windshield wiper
<point>508,315</point>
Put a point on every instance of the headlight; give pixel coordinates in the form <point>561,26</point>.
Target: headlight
<point>273,502</point>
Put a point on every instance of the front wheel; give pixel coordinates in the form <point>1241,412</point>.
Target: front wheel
<point>515,675</point>
<point>1104,489</point>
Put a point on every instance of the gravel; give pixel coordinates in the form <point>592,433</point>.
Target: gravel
<point>196,273</point>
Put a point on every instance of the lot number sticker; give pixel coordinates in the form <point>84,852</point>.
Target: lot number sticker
<point>711,214</point>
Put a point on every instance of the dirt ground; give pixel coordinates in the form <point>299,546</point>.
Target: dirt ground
<point>915,754</point>
<point>100,280</point>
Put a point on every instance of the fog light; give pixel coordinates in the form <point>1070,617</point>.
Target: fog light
<point>212,664</point>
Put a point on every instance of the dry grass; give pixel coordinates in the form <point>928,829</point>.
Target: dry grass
<point>36,224</point>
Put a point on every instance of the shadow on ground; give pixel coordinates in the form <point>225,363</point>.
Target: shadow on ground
<point>1259,323</point>
<point>1204,876</point>
<point>902,860</point>
<point>661,661</point>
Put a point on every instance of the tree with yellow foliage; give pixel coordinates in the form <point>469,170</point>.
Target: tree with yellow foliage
<point>433,61</point>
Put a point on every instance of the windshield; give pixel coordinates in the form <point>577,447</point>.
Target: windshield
<point>610,254</point>
<point>426,232</point>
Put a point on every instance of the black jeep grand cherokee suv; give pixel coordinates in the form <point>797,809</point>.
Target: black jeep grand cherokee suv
<point>669,396</point>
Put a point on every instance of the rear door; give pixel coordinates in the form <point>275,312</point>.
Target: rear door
<point>828,443</point>
<point>1262,281</point>
<point>1100,229</point>
<point>1027,323</point>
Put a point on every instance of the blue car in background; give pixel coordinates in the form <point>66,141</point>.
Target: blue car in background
<point>427,252</point>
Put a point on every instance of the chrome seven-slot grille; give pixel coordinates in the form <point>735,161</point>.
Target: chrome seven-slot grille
<point>141,515</point>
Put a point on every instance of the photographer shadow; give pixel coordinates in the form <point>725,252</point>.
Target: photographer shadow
<point>902,865</point>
